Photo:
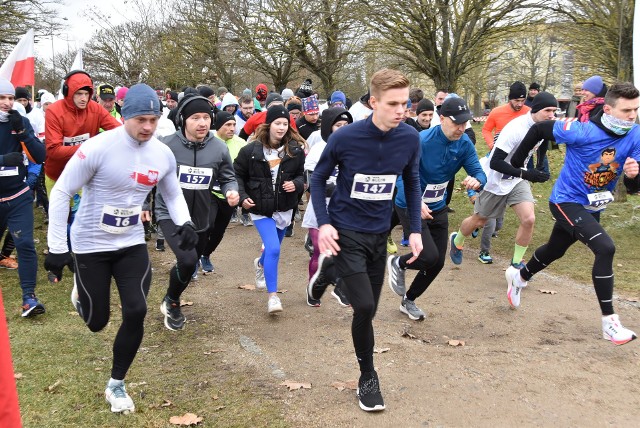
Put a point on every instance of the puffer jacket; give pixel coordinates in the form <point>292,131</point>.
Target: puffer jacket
<point>254,178</point>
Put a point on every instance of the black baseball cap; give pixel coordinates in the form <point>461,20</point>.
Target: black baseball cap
<point>456,109</point>
<point>106,92</point>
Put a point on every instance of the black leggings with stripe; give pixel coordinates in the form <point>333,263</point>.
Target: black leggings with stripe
<point>575,223</point>
<point>131,270</point>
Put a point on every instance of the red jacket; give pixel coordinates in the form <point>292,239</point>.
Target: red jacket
<point>258,119</point>
<point>66,126</point>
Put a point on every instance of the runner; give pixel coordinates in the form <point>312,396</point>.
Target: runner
<point>370,155</point>
<point>269,171</point>
<point>203,164</point>
<point>506,185</point>
<point>598,153</point>
<point>445,149</point>
<point>116,170</point>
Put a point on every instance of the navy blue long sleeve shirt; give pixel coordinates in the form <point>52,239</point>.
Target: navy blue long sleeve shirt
<point>362,148</point>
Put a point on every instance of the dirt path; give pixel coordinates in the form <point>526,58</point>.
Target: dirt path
<point>542,365</point>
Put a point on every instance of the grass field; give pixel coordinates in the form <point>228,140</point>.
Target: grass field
<point>54,394</point>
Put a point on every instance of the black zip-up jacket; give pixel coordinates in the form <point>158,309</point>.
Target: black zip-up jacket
<point>254,178</point>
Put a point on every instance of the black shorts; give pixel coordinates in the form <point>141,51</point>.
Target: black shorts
<point>361,253</point>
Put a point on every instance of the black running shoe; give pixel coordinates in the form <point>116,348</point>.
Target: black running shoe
<point>340,295</point>
<point>173,318</point>
<point>368,393</point>
<point>319,281</point>
<point>159,244</point>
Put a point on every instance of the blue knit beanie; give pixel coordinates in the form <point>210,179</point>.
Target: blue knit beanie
<point>593,84</point>
<point>6,88</point>
<point>140,100</point>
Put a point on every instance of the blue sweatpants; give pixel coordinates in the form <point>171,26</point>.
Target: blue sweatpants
<point>271,238</point>
<point>17,215</point>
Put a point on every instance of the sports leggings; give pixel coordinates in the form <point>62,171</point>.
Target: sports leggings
<point>360,264</point>
<point>431,260</point>
<point>131,270</point>
<point>219,226</point>
<point>271,238</point>
<point>575,223</point>
<point>180,274</point>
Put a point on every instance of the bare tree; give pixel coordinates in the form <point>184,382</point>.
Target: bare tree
<point>18,16</point>
<point>445,39</point>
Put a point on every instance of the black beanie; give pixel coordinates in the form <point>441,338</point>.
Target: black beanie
<point>425,105</point>
<point>294,106</point>
<point>277,112</point>
<point>197,105</point>
<point>517,90</point>
<point>543,100</point>
<point>22,92</point>
<point>534,86</point>
<point>205,91</point>
<point>223,117</point>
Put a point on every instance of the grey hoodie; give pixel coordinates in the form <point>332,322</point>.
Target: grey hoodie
<point>212,153</point>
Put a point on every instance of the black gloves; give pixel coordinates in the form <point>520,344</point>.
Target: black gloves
<point>535,176</point>
<point>12,159</point>
<point>16,121</point>
<point>55,263</point>
<point>187,236</point>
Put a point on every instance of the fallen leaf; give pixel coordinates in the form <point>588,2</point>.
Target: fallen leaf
<point>454,342</point>
<point>187,419</point>
<point>17,375</point>
<point>215,397</point>
<point>219,408</point>
<point>213,351</point>
<point>98,369</point>
<point>282,291</point>
<point>381,350</point>
<point>538,196</point>
<point>51,388</point>
<point>542,211</point>
<point>133,385</point>
<point>350,384</point>
<point>619,265</point>
<point>548,291</point>
<point>166,403</point>
<point>407,334</point>
<point>247,287</point>
<point>629,299</point>
<point>185,303</point>
<point>291,384</point>
<point>613,216</point>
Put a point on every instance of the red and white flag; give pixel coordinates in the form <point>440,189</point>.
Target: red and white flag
<point>19,66</point>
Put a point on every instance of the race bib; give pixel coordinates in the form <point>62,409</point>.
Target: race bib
<point>194,178</point>
<point>334,176</point>
<point>6,171</point>
<point>373,187</point>
<point>600,199</point>
<point>434,193</point>
<point>119,220</point>
<point>75,141</point>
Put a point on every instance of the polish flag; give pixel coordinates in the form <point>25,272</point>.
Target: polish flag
<point>19,66</point>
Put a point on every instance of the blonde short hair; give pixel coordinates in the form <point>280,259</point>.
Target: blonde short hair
<point>385,79</point>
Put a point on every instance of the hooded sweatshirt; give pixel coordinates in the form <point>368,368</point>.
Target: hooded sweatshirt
<point>229,100</point>
<point>68,126</point>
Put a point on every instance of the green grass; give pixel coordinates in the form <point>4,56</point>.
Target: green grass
<point>621,220</point>
<point>57,348</point>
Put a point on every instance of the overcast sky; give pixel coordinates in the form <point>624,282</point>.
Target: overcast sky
<point>79,28</point>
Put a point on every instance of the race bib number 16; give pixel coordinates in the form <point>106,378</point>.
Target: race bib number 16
<point>373,187</point>
<point>119,220</point>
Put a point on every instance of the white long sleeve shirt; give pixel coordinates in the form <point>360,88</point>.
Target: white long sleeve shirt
<point>115,173</point>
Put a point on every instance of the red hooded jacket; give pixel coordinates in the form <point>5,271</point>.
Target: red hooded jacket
<point>67,126</point>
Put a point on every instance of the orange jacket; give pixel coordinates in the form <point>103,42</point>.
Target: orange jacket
<point>498,119</point>
<point>66,126</point>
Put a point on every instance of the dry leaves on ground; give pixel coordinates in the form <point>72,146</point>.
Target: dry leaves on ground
<point>185,303</point>
<point>454,342</point>
<point>53,387</point>
<point>187,419</point>
<point>547,291</point>
<point>281,291</point>
<point>381,350</point>
<point>17,375</point>
<point>292,385</point>
<point>247,287</point>
<point>350,384</point>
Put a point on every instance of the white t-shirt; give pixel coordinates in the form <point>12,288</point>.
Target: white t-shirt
<point>274,158</point>
<point>309,220</point>
<point>359,111</point>
<point>509,139</point>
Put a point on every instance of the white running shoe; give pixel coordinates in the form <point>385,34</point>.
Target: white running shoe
<point>116,395</point>
<point>513,286</point>
<point>613,330</point>
<point>261,284</point>
<point>274,305</point>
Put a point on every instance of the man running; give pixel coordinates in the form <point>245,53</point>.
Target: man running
<point>598,153</point>
<point>116,170</point>
<point>370,155</point>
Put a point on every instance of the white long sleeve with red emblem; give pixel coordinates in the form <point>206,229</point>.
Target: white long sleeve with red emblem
<point>115,173</point>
